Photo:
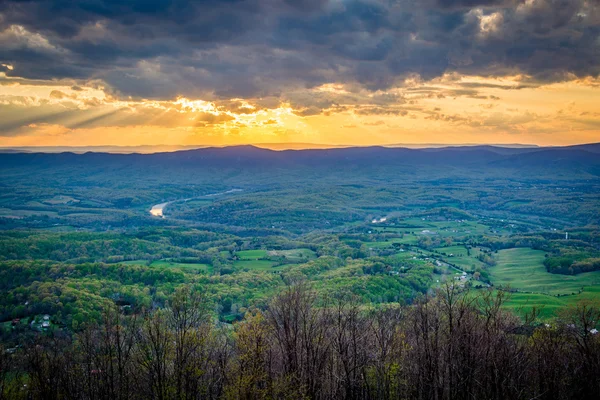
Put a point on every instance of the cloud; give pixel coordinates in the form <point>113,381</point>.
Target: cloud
<point>472,3</point>
<point>204,119</point>
<point>223,49</point>
<point>237,106</point>
<point>376,123</point>
<point>57,94</point>
<point>380,111</point>
<point>307,111</point>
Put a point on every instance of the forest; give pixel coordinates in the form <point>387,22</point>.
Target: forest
<point>453,345</point>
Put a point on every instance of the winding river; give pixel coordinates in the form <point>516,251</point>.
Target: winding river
<point>158,209</point>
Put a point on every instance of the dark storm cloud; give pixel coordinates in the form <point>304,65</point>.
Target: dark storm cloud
<point>260,48</point>
<point>473,3</point>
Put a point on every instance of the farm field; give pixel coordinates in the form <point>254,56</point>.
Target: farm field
<point>383,244</point>
<point>60,200</point>
<point>251,254</point>
<point>452,251</point>
<point>297,255</point>
<point>458,255</point>
<point>522,269</point>
<point>548,306</point>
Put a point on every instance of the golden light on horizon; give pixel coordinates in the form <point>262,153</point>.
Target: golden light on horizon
<point>451,109</point>
<point>341,73</point>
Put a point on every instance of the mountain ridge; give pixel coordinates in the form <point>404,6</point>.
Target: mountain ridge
<point>152,149</point>
<point>248,156</point>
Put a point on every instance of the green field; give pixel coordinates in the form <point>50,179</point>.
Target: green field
<point>522,269</point>
<point>60,200</point>
<point>407,239</point>
<point>251,254</point>
<point>453,250</point>
<point>460,258</point>
<point>513,203</point>
<point>168,264</point>
<point>299,255</point>
<point>383,244</point>
<point>468,264</point>
<point>259,265</point>
<point>548,306</point>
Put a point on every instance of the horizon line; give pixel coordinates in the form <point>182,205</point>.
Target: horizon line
<point>268,146</point>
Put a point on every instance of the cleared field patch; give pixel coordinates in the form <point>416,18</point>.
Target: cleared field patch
<point>34,204</point>
<point>458,255</point>
<point>60,200</point>
<point>471,227</point>
<point>408,239</point>
<point>415,223</point>
<point>251,254</point>
<point>451,251</point>
<point>384,244</point>
<point>259,265</point>
<point>523,270</point>
<point>548,306</point>
<point>466,263</point>
<point>299,255</point>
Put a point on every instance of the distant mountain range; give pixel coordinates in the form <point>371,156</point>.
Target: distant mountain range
<point>584,157</point>
<point>146,149</point>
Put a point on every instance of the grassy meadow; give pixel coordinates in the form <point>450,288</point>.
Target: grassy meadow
<point>522,269</point>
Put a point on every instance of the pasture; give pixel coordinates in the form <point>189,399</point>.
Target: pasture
<point>257,265</point>
<point>251,254</point>
<point>547,306</point>
<point>296,255</point>
<point>522,269</point>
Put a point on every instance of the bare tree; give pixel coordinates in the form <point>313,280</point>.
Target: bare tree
<point>155,351</point>
<point>351,345</point>
<point>189,324</point>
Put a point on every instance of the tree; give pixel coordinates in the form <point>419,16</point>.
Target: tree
<point>154,357</point>
<point>251,375</point>
<point>189,323</point>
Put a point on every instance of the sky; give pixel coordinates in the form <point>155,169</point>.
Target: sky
<point>329,72</point>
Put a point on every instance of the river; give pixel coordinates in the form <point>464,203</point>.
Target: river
<point>158,209</point>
